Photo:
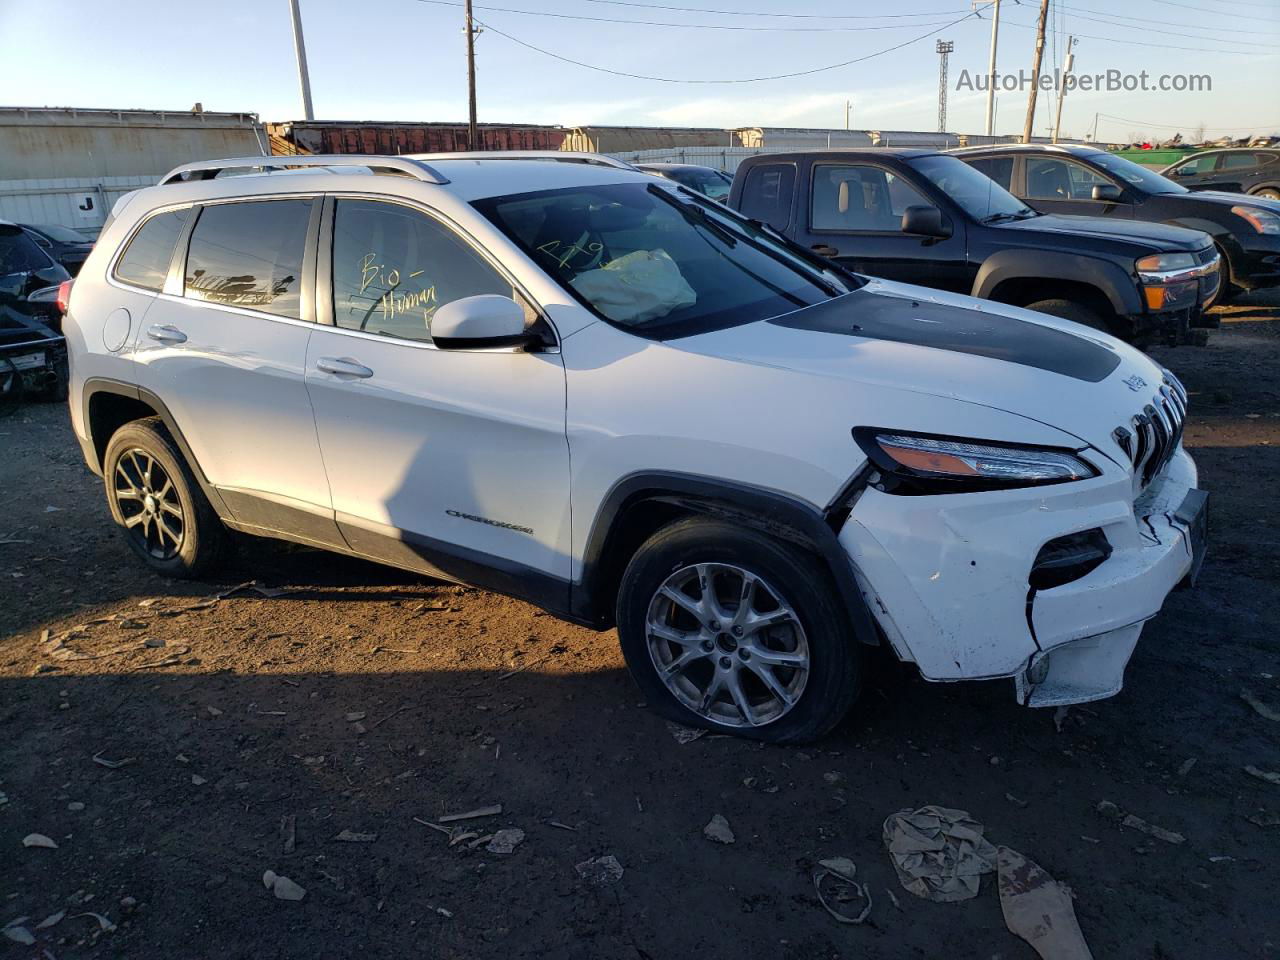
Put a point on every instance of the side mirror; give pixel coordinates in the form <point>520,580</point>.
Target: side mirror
<point>924,221</point>
<point>484,322</point>
<point>1107,192</point>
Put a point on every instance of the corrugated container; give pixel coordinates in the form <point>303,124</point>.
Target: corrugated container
<point>67,166</point>
<point>605,139</point>
<point>800,138</point>
<point>371,137</point>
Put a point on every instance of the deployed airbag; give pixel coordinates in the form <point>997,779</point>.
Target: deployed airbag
<point>636,288</point>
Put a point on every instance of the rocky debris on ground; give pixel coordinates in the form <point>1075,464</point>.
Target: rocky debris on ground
<point>683,734</point>
<point>1113,812</point>
<point>600,870</point>
<point>282,887</point>
<point>505,841</point>
<point>1260,708</point>
<point>717,829</point>
<point>39,840</point>
<point>1268,775</point>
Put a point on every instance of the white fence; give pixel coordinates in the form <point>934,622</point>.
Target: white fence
<point>83,203</point>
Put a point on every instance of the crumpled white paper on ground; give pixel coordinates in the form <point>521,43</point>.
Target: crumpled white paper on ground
<point>939,854</point>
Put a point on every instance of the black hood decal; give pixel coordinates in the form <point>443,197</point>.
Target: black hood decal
<point>882,316</point>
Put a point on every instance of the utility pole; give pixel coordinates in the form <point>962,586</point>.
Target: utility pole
<point>848,105</point>
<point>944,47</point>
<point>300,48</point>
<point>472,137</point>
<point>991,70</point>
<point>1035,72</point>
<point>1067,60</point>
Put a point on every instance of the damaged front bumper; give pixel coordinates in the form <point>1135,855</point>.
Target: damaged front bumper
<point>948,578</point>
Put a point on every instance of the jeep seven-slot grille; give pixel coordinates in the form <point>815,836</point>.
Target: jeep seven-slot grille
<point>1152,435</point>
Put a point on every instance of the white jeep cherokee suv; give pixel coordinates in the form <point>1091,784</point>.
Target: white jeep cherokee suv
<point>561,379</point>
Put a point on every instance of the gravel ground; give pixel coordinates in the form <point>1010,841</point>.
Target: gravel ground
<point>254,733</point>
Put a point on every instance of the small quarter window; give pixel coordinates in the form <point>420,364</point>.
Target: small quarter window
<point>393,267</point>
<point>145,262</point>
<point>249,254</point>
<point>767,193</point>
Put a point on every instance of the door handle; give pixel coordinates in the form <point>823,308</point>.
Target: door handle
<point>166,333</point>
<point>823,250</point>
<point>343,367</point>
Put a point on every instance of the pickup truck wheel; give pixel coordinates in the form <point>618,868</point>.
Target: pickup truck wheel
<point>157,503</point>
<point>726,628</point>
<point>1071,310</point>
<point>1271,193</point>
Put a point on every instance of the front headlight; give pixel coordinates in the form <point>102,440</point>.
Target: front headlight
<point>1164,262</point>
<point>920,463</point>
<point>1263,221</point>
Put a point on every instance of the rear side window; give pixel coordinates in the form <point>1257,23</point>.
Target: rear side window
<point>999,169</point>
<point>249,254</point>
<point>145,262</point>
<point>1239,161</point>
<point>767,193</point>
<point>393,267</point>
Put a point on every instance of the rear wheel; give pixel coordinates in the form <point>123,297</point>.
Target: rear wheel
<point>1271,193</point>
<point>1073,311</point>
<point>726,628</point>
<point>157,503</point>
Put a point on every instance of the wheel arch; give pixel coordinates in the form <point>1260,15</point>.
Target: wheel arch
<point>1009,270</point>
<point>110,404</point>
<point>642,503</point>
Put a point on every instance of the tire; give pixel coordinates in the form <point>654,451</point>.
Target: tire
<point>808,625</point>
<point>143,501</point>
<point>1271,193</point>
<point>1076,312</point>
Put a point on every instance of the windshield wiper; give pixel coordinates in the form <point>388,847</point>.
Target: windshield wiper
<point>1003,216</point>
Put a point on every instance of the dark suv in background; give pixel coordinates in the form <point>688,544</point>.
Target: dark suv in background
<point>63,244</point>
<point>1254,170</point>
<point>1091,182</point>
<point>925,217</point>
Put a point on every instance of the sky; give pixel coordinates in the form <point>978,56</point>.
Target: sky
<point>405,60</point>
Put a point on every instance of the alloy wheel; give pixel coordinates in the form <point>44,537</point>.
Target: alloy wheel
<point>148,503</point>
<point>727,645</point>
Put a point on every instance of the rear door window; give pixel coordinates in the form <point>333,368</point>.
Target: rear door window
<point>249,254</point>
<point>1239,161</point>
<point>19,253</point>
<point>767,193</point>
<point>145,262</point>
<point>999,169</point>
<point>393,267</point>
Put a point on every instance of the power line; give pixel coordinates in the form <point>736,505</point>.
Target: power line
<point>779,76</point>
<point>1174,3</point>
<point>801,16</point>
<point>1144,21</point>
<point>1161,46</point>
<point>1173,33</point>
<point>683,26</point>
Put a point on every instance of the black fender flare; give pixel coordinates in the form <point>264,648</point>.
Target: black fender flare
<point>1108,278</point>
<point>769,511</point>
<point>98,385</point>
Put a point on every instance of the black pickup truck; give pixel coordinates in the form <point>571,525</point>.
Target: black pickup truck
<point>924,217</point>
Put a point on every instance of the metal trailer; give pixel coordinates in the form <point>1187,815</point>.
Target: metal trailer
<point>67,166</point>
<point>391,139</point>
<point>612,140</point>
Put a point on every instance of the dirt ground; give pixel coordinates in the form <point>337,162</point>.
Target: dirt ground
<point>253,733</point>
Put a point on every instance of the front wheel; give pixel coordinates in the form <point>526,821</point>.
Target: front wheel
<point>157,503</point>
<point>726,628</point>
<point>1271,193</point>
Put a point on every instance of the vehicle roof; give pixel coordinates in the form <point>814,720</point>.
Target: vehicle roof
<point>1076,149</point>
<point>844,153</point>
<point>1201,153</point>
<point>474,178</point>
<point>675,166</point>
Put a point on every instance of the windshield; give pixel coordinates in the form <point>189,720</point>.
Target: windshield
<point>61,234</point>
<point>1139,176</point>
<point>980,196</point>
<point>660,262</point>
